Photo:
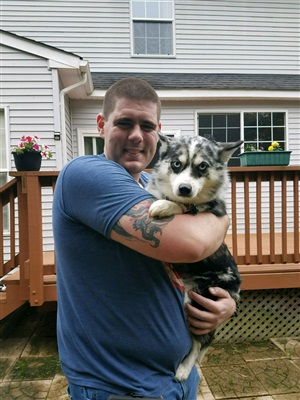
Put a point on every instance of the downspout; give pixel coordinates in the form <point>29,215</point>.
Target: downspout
<point>62,94</point>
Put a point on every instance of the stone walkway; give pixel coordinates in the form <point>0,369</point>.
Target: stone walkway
<point>29,366</point>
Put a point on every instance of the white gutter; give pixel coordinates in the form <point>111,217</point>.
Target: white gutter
<point>62,94</point>
<point>201,94</point>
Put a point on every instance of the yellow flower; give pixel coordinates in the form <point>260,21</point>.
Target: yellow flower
<point>271,148</point>
<point>275,144</point>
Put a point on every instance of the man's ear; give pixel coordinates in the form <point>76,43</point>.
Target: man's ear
<point>100,124</point>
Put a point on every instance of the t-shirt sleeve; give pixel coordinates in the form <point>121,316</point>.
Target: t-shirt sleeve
<point>98,192</point>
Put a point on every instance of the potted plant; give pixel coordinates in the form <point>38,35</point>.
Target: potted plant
<point>273,156</point>
<point>28,153</point>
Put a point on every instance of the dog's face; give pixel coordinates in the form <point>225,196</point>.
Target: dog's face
<point>192,169</point>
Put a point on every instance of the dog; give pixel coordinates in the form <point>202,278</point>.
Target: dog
<point>190,176</point>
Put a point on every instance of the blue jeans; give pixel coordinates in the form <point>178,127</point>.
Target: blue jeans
<point>186,390</point>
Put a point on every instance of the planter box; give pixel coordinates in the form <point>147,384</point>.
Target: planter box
<point>252,158</point>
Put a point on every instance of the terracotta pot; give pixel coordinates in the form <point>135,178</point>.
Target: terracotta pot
<point>29,161</point>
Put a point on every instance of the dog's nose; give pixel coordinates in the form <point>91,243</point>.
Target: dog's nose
<point>185,189</point>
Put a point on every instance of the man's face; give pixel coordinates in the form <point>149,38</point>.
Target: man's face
<point>130,134</point>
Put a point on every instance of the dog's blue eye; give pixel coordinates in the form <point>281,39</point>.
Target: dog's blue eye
<point>203,166</point>
<point>176,165</point>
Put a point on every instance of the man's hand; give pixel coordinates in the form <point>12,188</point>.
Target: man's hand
<point>216,311</point>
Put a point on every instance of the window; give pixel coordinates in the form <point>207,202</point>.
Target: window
<point>263,128</point>
<point>152,27</point>
<point>89,143</point>
<point>222,128</point>
<point>93,145</point>
<point>258,129</point>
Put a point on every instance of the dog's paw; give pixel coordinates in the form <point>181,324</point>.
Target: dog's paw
<point>182,373</point>
<point>164,208</point>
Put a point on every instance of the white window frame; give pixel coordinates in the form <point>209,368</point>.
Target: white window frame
<point>171,20</point>
<point>286,139</point>
<point>81,134</point>
<point>242,111</point>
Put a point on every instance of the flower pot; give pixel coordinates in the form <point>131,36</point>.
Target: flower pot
<point>252,158</point>
<point>29,161</point>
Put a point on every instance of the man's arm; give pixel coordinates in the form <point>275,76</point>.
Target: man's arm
<point>179,238</point>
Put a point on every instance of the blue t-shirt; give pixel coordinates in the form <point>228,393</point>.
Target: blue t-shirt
<point>121,323</point>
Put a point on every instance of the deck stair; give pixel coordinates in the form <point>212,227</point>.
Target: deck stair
<point>16,294</point>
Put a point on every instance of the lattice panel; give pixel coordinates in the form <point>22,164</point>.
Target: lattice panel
<point>264,314</point>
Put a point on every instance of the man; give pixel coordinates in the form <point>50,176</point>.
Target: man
<point>122,326</point>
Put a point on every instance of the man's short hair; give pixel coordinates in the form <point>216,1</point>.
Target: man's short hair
<point>133,89</point>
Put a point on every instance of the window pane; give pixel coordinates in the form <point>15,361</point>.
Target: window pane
<point>88,145</point>
<point>219,135</point>
<point>278,119</point>
<point>166,9</point>
<point>152,30</point>
<point>205,132</point>
<point>160,31</point>
<point>166,46</point>
<point>99,145</point>
<point>152,9</point>
<point>140,46</point>
<point>264,119</point>
<point>278,134</point>
<point>152,46</point>
<point>250,134</point>
<point>250,119</point>
<point>219,120</point>
<point>165,30</point>
<point>234,162</point>
<point>264,134</point>
<point>233,134</point>
<point>263,146</point>
<point>233,120</point>
<point>205,120</point>
<point>138,9</point>
<point>139,29</point>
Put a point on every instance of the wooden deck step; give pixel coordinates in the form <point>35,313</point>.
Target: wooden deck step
<point>10,299</point>
<point>12,278</point>
<point>49,262</point>
<point>49,267</point>
<point>50,279</point>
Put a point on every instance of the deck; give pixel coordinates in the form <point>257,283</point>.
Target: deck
<point>267,257</point>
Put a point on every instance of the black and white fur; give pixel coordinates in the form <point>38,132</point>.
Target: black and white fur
<point>191,176</point>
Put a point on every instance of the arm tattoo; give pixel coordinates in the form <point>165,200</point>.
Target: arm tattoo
<point>149,228</point>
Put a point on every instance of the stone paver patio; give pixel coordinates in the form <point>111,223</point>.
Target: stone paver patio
<point>30,369</point>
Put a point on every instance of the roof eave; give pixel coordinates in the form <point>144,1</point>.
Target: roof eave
<point>206,94</point>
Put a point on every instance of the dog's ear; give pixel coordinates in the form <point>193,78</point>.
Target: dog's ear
<point>163,138</point>
<point>227,149</point>
<point>163,144</point>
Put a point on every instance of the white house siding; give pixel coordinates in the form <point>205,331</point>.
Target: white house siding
<point>234,36</point>
<point>181,116</point>
<point>26,89</point>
